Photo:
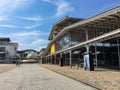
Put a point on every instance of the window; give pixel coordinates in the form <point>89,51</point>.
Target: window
<point>2,49</point>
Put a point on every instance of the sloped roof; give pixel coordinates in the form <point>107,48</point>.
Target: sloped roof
<point>62,21</point>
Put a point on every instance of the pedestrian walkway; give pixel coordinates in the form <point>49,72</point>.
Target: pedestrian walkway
<point>34,77</point>
<point>104,79</point>
<point>6,67</point>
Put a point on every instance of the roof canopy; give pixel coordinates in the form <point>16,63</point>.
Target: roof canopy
<point>103,17</point>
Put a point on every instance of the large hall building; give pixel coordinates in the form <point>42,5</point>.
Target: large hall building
<point>98,36</point>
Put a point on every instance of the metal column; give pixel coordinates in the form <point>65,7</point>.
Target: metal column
<point>103,53</point>
<point>118,51</point>
<point>65,58</point>
<point>51,59</point>
<point>87,48</point>
<point>55,59</point>
<point>96,54</point>
<point>60,58</point>
<point>70,53</point>
<point>48,59</point>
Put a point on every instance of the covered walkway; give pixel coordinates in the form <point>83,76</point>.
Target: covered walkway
<point>98,36</point>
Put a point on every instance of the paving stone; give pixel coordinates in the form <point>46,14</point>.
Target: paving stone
<point>33,77</point>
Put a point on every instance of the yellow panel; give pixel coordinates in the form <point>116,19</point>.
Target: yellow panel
<point>52,48</point>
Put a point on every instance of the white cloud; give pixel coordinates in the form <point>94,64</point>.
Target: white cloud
<point>3,18</point>
<point>28,39</point>
<point>15,26</point>
<point>30,33</point>
<point>35,44</point>
<point>26,34</point>
<point>39,41</point>
<point>34,18</point>
<point>8,6</point>
<point>7,26</point>
<point>36,47</point>
<point>63,7</point>
<point>32,26</point>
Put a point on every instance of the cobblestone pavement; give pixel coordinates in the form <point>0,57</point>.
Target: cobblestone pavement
<point>104,79</point>
<point>6,67</point>
<point>33,77</point>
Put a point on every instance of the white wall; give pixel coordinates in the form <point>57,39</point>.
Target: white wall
<point>11,49</point>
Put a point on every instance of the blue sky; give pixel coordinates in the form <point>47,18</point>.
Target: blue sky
<point>29,22</point>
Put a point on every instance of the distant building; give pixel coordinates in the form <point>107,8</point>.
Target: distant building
<point>8,50</point>
<point>28,56</point>
<point>42,55</point>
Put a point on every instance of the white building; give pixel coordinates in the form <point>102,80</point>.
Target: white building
<point>29,56</point>
<point>8,50</point>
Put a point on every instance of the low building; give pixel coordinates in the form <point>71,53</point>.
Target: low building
<point>42,55</point>
<point>8,50</point>
<point>28,56</point>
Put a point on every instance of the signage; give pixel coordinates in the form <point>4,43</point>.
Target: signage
<point>52,48</point>
<point>66,40</point>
